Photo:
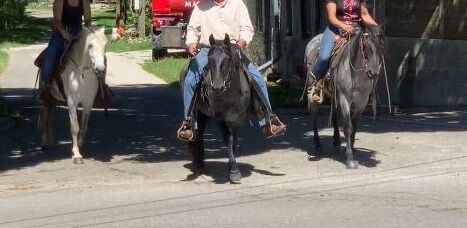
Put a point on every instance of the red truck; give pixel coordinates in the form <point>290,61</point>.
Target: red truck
<point>169,22</point>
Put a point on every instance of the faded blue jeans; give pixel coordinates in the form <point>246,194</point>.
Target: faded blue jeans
<point>54,52</point>
<point>326,45</point>
<point>195,72</point>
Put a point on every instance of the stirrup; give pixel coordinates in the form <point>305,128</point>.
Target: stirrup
<point>185,131</point>
<point>316,92</point>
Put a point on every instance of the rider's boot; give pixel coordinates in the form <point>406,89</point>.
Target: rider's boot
<point>275,127</point>
<point>315,89</point>
<point>185,131</point>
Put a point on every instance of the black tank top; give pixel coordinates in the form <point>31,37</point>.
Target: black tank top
<point>72,15</point>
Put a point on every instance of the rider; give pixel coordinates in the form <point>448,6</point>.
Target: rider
<point>344,16</point>
<point>68,17</point>
<point>220,17</point>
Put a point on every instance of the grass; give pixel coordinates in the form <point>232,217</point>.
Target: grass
<point>3,60</point>
<point>168,69</point>
<point>7,111</point>
<point>39,6</point>
<point>283,97</point>
<point>106,17</point>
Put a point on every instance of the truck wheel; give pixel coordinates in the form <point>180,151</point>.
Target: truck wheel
<point>158,54</point>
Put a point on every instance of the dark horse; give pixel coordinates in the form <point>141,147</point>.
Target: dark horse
<point>354,75</point>
<point>223,94</point>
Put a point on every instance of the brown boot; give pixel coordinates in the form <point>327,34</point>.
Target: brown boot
<point>185,132</point>
<point>274,128</point>
<point>315,91</point>
<point>45,94</point>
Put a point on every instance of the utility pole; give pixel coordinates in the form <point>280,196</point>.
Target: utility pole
<point>142,19</point>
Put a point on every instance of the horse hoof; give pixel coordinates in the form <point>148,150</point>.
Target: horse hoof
<point>235,176</point>
<point>78,161</point>
<point>351,164</point>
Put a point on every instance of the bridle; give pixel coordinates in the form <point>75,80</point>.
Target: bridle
<point>226,80</point>
<point>362,52</point>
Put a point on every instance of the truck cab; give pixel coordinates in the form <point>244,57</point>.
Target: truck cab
<point>169,23</point>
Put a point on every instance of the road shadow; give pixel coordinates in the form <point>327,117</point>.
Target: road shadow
<point>219,171</point>
<point>141,125</point>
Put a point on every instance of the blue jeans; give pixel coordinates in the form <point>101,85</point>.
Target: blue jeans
<point>195,72</point>
<point>321,67</point>
<point>54,52</point>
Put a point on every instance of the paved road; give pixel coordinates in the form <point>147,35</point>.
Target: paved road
<point>412,170</point>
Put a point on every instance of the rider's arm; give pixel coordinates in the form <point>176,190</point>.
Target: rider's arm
<point>244,22</point>
<point>87,12</point>
<point>193,28</point>
<point>58,11</point>
<point>366,17</point>
<point>331,10</point>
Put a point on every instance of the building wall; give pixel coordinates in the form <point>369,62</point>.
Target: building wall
<point>427,45</point>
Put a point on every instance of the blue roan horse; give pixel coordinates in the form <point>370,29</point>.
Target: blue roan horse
<point>224,94</point>
<point>354,73</point>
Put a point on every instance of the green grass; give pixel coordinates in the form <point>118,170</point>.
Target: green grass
<point>3,60</point>
<point>125,44</point>
<point>7,111</point>
<point>282,97</point>
<point>38,6</point>
<point>168,69</point>
<point>106,17</point>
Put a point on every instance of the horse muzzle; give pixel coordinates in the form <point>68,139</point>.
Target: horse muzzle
<point>99,70</point>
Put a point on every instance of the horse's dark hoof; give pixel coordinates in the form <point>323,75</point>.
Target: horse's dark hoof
<point>351,164</point>
<point>78,161</point>
<point>235,176</point>
<point>45,148</point>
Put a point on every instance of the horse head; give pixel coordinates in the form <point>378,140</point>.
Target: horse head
<point>95,44</point>
<point>221,63</point>
<point>373,43</point>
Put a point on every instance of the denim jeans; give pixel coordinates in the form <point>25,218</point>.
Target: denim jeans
<point>195,72</point>
<point>321,67</point>
<point>54,52</point>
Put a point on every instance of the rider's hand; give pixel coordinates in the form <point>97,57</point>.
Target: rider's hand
<point>347,28</point>
<point>193,49</point>
<point>68,37</point>
<point>241,43</point>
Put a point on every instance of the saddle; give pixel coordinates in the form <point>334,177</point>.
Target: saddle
<point>57,93</point>
<point>317,92</point>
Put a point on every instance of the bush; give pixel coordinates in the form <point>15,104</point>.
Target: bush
<point>12,13</point>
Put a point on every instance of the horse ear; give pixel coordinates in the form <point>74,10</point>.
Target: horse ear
<point>227,39</point>
<point>101,30</point>
<point>212,41</point>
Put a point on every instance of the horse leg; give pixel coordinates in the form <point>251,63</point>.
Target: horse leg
<point>314,116</point>
<point>197,147</point>
<point>335,124</point>
<point>84,124</point>
<point>234,173</point>
<point>74,130</point>
<point>348,129</point>
<point>44,125</point>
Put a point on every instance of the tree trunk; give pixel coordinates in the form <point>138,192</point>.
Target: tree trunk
<point>142,20</point>
<point>118,13</point>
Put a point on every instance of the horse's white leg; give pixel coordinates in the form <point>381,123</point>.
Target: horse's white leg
<point>74,130</point>
<point>84,125</point>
